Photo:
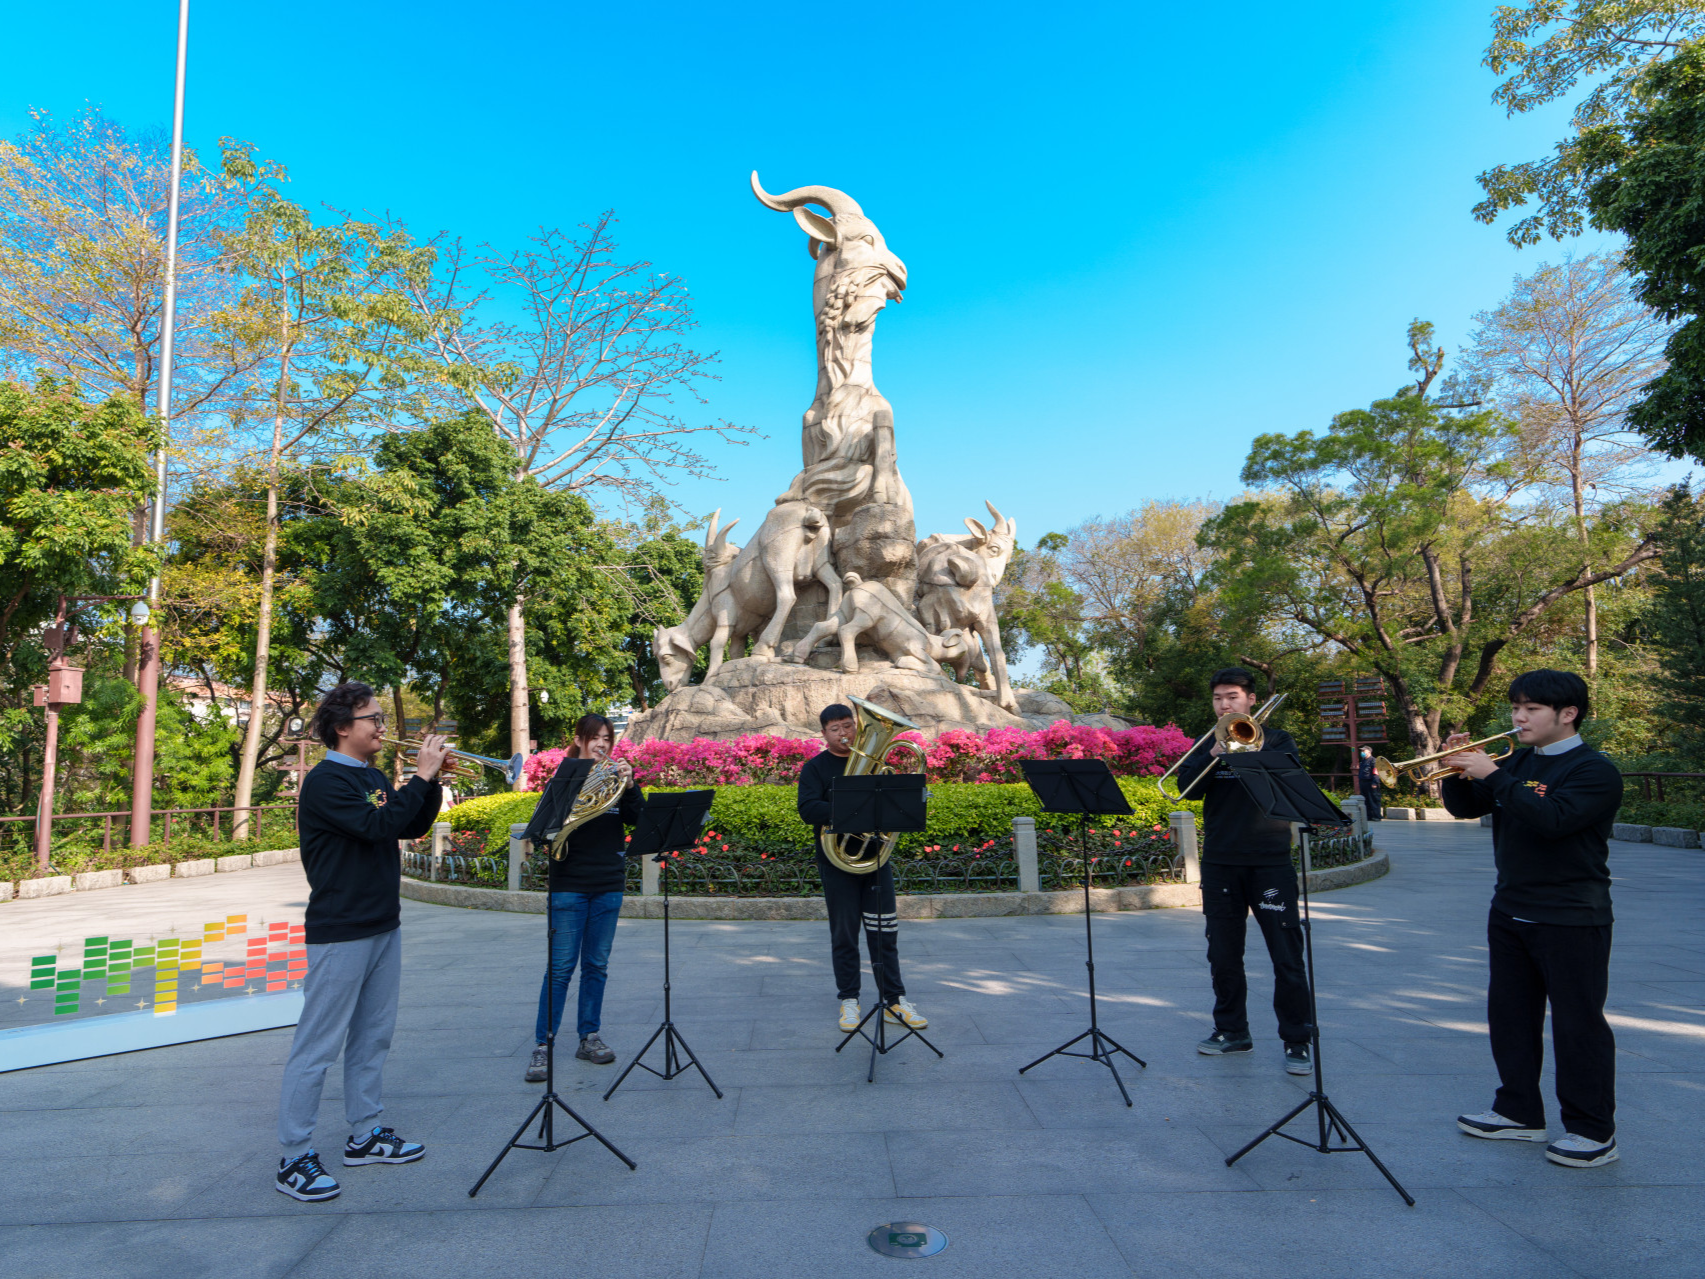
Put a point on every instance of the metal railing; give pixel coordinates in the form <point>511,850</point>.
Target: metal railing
<point>120,820</point>
<point>1646,781</point>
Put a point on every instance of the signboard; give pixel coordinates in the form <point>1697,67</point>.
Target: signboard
<point>1335,733</point>
<point>1334,710</point>
<point>1373,732</point>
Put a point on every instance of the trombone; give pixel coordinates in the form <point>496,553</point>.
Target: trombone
<point>465,765</point>
<point>1388,773</point>
<point>1235,731</point>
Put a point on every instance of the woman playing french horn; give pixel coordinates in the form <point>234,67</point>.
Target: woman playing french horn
<point>588,867</point>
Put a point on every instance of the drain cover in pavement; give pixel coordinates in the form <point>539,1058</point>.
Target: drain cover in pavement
<point>907,1239</point>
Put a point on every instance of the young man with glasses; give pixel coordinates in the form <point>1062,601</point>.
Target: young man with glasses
<point>1548,930</point>
<point>349,820</point>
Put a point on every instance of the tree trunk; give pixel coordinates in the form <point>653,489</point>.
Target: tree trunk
<point>519,721</point>
<point>1575,477</point>
<point>401,732</point>
<point>263,654</point>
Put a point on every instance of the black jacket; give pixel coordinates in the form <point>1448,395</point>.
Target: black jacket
<point>348,823</point>
<point>1236,832</point>
<point>1551,820</point>
<point>816,778</point>
<point>594,857</point>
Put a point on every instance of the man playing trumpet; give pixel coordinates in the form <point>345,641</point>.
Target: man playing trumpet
<point>1548,932</point>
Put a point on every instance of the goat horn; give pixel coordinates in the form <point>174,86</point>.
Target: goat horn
<point>710,533</point>
<point>999,518</point>
<point>722,536</point>
<point>837,202</point>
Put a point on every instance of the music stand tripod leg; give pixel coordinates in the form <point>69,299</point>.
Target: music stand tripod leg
<point>672,1063</point>
<point>547,1127</point>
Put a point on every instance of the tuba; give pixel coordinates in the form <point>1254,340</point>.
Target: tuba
<point>599,793</point>
<point>1234,731</point>
<point>875,736</point>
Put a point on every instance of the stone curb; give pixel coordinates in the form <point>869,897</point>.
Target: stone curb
<point>89,880</point>
<point>1630,832</point>
<point>912,906</point>
<point>1675,837</point>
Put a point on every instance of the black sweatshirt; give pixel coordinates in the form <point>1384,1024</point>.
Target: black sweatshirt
<point>1237,833</point>
<point>816,778</point>
<point>1551,819</point>
<point>348,823</point>
<point>594,856</point>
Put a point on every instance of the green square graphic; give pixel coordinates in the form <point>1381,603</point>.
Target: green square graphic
<point>118,966</point>
<point>95,941</point>
<point>42,983</point>
<point>44,961</point>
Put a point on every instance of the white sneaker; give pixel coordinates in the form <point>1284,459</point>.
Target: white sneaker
<point>901,1012</point>
<point>1494,1127</point>
<point>1582,1152</point>
<point>849,1015</point>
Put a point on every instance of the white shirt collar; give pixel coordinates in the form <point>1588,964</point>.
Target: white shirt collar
<point>338,757</point>
<point>1560,748</point>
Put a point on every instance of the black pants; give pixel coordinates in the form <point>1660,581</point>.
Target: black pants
<point>1568,965</point>
<point>866,900</point>
<point>1370,792</point>
<point>1229,893</point>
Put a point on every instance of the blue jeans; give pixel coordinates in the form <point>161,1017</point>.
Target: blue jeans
<point>584,929</point>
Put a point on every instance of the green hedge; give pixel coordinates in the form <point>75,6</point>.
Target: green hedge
<point>766,818</point>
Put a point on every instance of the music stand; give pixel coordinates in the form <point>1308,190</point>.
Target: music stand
<point>669,822</point>
<point>550,1102</point>
<point>1281,789</point>
<point>1084,787</point>
<point>882,804</point>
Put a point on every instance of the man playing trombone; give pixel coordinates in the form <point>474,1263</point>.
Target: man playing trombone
<point>1246,865</point>
<point>1548,932</point>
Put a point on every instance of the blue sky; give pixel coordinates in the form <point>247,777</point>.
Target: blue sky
<point>1136,236</point>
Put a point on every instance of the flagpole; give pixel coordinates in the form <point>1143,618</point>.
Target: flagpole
<point>148,667</point>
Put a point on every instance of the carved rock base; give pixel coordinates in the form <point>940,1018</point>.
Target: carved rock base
<point>879,543</point>
<point>782,700</point>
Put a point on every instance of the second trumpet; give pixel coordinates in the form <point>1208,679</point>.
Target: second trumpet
<point>1388,773</point>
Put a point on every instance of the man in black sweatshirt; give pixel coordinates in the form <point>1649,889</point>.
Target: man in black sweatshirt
<point>852,899</point>
<point>349,820</point>
<point>1548,932</point>
<point>1246,865</point>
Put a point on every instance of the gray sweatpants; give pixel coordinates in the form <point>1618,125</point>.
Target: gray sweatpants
<point>349,1002</point>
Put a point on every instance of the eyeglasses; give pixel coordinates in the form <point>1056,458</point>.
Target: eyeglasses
<point>378,719</point>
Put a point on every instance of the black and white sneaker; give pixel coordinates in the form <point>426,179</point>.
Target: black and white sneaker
<point>303,1178</point>
<point>382,1146</point>
<point>536,1066</point>
<point>1494,1127</point>
<point>1220,1043</point>
<point>1297,1060</point>
<point>1582,1152</point>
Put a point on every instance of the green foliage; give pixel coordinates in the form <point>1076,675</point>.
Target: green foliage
<point>192,758</point>
<point>766,818</point>
<point>1546,49</point>
<point>1650,192</point>
<point>1677,624</point>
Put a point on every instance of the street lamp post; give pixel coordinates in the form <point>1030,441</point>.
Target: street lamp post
<point>148,665</point>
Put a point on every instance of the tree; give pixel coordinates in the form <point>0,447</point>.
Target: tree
<point>1395,538</point>
<point>330,342</point>
<point>1649,191</point>
<point>582,390</point>
<point>1567,353</point>
<point>1677,622</point>
<point>1038,607</point>
<point>71,474</point>
<point>1545,49</point>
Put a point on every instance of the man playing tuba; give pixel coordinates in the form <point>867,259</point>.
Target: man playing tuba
<point>853,898</point>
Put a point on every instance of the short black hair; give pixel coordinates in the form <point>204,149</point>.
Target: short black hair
<point>337,710</point>
<point>834,712</point>
<point>1555,689</point>
<point>1232,675</point>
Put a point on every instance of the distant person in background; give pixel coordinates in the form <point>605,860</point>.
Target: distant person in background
<point>1368,785</point>
<point>349,821</point>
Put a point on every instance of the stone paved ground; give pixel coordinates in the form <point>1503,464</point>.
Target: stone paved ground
<point>160,1163</point>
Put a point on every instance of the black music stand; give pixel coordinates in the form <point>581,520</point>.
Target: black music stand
<point>668,823</point>
<point>1084,787</point>
<point>884,804</point>
<point>1282,790</point>
<point>550,1102</point>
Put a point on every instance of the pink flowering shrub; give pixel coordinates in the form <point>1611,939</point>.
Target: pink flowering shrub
<point>955,756</point>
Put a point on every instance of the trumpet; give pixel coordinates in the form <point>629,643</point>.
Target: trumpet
<point>1235,731</point>
<point>1388,773</point>
<point>465,765</point>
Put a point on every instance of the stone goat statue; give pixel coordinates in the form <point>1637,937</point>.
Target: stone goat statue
<point>749,591</point>
<point>869,611</point>
<point>957,576</point>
